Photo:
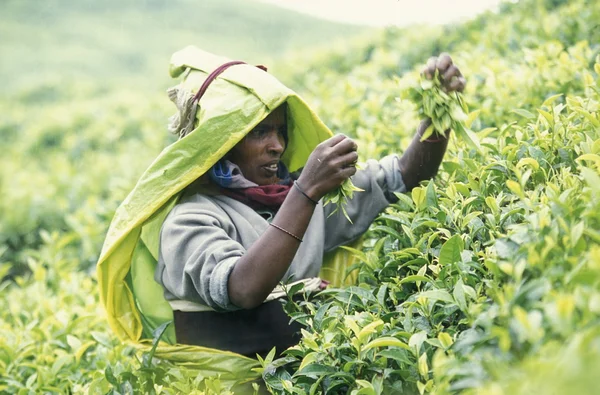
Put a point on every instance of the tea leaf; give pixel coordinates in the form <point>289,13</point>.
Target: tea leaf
<point>451,250</point>
<point>590,157</point>
<point>418,195</point>
<point>308,359</point>
<point>423,366</point>
<point>437,295</point>
<point>369,329</point>
<point>524,113</point>
<point>340,196</point>
<point>445,340</point>
<point>412,279</point>
<point>385,341</point>
<point>459,295</point>
<point>551,99</point>
<point>315,370</point>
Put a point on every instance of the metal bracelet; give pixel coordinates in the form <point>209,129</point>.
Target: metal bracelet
<point>285,231</point>
<point>315,202</point>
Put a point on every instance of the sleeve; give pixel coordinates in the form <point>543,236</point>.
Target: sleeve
<point>198,252</point>
<point>379,181</point>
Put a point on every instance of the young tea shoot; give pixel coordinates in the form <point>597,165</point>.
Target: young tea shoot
<point>447,110</point>
<point>340,197</point>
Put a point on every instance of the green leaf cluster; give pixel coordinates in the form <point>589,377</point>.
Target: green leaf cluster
<point>485,280</point>
<point>489,274</point>
<point>340,197</point>
<point>445,110</point>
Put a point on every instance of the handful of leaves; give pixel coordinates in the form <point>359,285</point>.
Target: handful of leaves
<point>340,197</point>
<point>447,110</point>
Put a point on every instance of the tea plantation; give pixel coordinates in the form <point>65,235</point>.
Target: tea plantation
<point>485,280</point>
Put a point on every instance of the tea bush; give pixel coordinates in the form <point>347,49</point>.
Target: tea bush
<point>487,279</point>
<point>484,280</point>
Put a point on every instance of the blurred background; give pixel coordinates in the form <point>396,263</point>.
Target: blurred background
<point>83,97</point>
<point>83,112</point>
<point>133,39</point>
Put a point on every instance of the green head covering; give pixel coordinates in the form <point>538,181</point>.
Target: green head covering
<point>236,101</point>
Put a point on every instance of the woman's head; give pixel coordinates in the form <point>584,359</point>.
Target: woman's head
<point>259,153</point>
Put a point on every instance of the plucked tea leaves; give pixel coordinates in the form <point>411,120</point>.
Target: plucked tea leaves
<point>340,196</point>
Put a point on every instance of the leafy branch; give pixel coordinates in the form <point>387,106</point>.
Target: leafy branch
<point>447,110</point>
<point>340,197</point>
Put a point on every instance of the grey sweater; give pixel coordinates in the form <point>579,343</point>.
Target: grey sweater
<point>205,234</point>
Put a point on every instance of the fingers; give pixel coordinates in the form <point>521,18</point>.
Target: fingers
<point>341,155</point>
<point>332,141</point>
<point>429,70</point>
<point>453,80</point>
<point>347,172</point>
<point>450,75</point>
<point>332,162</point>
<point>443,62</point>
<point>336,152</point>
<point>345,145</point>
<point>347,160</point>
<point>451,71</point>
<point>458,84</point>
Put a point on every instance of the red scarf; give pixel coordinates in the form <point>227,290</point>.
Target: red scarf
<point>266,196</point>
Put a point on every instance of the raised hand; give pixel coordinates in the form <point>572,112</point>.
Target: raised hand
<point>450,76</point>
<point>328,166</point>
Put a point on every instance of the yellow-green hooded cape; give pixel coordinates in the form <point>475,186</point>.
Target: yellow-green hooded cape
<point>234,103</point>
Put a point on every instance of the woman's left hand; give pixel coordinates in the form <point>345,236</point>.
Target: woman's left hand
<point>450,76</point>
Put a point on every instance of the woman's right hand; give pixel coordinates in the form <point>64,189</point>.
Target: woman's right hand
<point>328,166</point>
<point>265,263</point>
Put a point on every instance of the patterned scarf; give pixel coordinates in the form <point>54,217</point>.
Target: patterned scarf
<point>234,185</point>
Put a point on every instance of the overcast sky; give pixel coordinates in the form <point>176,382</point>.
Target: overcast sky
<point>390,12</point>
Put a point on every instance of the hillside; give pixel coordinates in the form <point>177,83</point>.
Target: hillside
<point>121,41</point>
<point>485,280</point>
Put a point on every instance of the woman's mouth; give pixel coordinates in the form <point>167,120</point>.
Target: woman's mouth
<point>272,168</point>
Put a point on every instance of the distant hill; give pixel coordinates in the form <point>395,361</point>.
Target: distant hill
<point>87,39</point>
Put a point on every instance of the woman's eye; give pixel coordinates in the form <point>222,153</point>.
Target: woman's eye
<point>261,132</point>
<point>258,132</point>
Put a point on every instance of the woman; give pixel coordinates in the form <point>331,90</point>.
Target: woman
<point>249,225</point>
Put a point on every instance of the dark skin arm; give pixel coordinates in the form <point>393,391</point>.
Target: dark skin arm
<point>271,254</point>
<point>421,160</point>
<point>259,271</point>
<point>263,266</point>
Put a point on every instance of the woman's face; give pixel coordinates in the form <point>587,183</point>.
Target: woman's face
<point>258,154</point>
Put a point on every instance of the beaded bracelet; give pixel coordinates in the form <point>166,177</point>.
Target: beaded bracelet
<point>305,195</point>
<point>285,231</point>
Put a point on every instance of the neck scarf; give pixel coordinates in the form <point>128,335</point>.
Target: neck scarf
<point>234,185</point>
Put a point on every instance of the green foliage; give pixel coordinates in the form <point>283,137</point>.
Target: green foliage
<point>152,376</point>
<point>53,335</point>
<point>80,123</point>
<point>340,197</point>
<point>485,280</point>
<point>130,41</point>
<point>500,265</point>
<point>446,110</point>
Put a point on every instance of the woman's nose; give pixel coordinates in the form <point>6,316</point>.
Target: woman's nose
<point>276,144</point>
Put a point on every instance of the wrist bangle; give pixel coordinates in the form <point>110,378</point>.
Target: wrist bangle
<point>434,140</point>
<point>315,202</point>
<point>285,231</point>
<point>435,137</point>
